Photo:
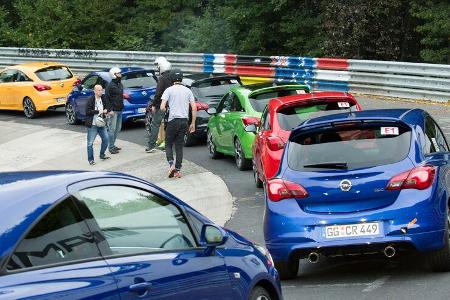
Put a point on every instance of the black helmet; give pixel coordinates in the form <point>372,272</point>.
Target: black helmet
<point>177,75</point>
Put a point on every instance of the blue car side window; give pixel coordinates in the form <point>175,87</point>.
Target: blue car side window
<point>61,236</point>
<point>135,221</point>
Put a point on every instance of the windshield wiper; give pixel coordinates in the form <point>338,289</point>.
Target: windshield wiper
<point>328,165</point>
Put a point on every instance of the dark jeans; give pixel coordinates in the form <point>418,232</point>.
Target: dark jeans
<point>114,123</point>
<point>91,134</point>
<point>175,131</point>
<point>154,129</point>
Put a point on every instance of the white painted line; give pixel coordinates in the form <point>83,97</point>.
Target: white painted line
<point>376,284</point>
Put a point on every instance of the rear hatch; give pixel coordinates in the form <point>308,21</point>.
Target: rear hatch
<point>138,86</point>
<point>346,167</point>
<point>59,78</point>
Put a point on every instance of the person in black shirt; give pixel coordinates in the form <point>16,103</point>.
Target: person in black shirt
<point>114,99</point>
<point>164,81</point>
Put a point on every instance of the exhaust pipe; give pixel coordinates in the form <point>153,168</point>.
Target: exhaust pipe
<point>313,257</point>
<point>389,251</point>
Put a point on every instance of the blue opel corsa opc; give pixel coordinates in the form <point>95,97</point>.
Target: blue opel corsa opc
<point>77,235</point>
<point>139,86</point>
<point>367,182</point>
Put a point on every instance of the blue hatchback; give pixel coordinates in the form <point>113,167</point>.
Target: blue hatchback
<point>73,235</point>
<point>139,86</point>
<point>366,182</point>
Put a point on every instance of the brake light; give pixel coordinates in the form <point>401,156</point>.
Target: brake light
<point>250,120</point>
<point>126,96</point>
<point>41,87</point>
<point>275,143</point>
<point>419,178</point>
<point>279,189</point>
<point>77,82</point>
<point>201,106</point>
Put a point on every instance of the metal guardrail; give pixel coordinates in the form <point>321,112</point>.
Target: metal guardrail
<point>396,79</point>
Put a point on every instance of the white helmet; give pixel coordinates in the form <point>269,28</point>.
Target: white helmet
<point>162,64</point>
<point>113,71</point>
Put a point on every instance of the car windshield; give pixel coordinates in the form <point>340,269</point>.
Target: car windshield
<point>54,73</point>
<point>138,80</point>
<point>350,148</point>
<point>260,101</point>
<point>290,117</point>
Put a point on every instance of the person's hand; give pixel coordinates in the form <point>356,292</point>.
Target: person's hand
<point>111,113</point>
<point>153,109</point>
<point>192,128</point>
<point>105,111</point>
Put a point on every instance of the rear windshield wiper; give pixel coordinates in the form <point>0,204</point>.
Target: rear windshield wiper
<point>328,165</point>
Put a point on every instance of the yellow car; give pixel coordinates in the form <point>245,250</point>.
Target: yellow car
<point>35,87</point>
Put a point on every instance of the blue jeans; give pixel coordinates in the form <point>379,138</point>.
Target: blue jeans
<point>156,123</point>
<point>91,135</point>
<point>114,125</point>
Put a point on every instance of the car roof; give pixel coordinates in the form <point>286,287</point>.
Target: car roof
<point>408,116</point>
<point>260,88</point>
<point>275,103</point>
<point>24,196</point>
<point>35,65</point>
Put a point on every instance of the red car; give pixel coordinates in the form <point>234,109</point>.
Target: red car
<point>283,114</point>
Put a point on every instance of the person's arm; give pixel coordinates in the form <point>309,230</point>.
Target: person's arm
<point>164,99</point>
<point>194,113</point>
<point>163,105</point>
<point>107,97</point>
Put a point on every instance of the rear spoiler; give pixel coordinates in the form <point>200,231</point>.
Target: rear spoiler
<point>264,90</point>
<point>304,128</point>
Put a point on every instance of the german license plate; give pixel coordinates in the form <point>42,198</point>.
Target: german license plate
<point>352,230</point>
<point>59,100</point>
<point>141,110</point>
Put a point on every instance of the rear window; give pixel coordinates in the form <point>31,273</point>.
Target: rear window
<point>54,73</point>
<point>349,148</point>
<point>260,101</point>
<point>291,117</point>
<point>138,80</point>
<point>212,91</point>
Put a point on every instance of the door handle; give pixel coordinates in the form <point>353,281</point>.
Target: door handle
<point>140,288</point>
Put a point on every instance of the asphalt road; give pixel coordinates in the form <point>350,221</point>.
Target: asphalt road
<point>404,277</point>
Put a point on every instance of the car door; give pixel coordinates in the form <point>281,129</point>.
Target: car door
<point>7,78</point>
<point>152,248</point>
<point>260,140</point>
<point>233,122</point>
<point>220,121</point>
<point>20,87</point>
<point>81,97</point>
<point>435,147</point>
<point>59,258</point>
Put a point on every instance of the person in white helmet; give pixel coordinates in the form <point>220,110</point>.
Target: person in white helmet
<point>114,100</point>
<point>163,68</point>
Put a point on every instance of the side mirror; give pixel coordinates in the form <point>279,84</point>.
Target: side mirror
<point>212,236</point>
<point>211,111</point>
<point>250,128</point>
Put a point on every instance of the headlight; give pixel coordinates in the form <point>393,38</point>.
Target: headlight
<point>266,254</point>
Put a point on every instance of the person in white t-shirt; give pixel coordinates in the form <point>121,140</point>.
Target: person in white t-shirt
<point>178,98</point>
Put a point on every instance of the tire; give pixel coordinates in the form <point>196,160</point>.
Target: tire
<point>287,270</point>
<point>439,261</point>
<point>212,147</point>
<point>148,123</point>
<point>259,293</point>
<point>189,140</point>
<point>29,109</point>
<point>241,162</point>
<point>71,116</point>
<point>258,182</point>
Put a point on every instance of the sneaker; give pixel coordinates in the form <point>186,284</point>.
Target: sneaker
<point>148,150</point>
<point>162,146</point>
<point>177,174</point>
<point>91,162</point>
<point>117,148</point>
<point>104,157</point>
<point>113,151</point>
<point>171,171</point>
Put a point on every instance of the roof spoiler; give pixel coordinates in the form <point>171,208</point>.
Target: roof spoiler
<point>284,87</point>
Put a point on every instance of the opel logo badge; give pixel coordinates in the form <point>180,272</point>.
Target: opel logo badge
<point>345,185</point>
<point>144,93</point>
<point>62,84</point>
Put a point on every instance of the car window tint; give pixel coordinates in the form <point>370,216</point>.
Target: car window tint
<point>61,236</point>
<point>290,117</point>
<point>54,73</point>
<point>90,82</point>
<point>236,104</point>
<point>136,221</point>
<point>264,119</point>
<point>434,138</point>
<point>21,77</point>
<point>225,105</point>
<point>356,146</point>
<point>8,76</point>
<point>138,80</point>
<point>260,101</point>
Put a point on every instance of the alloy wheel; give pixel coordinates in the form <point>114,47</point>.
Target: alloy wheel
<point>70,114</point>
<point>28,108</point>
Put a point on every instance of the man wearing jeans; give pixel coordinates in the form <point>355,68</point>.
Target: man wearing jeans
<point>114,99</point>
<point>179,98</point>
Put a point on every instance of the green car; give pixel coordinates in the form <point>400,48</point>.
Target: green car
<point>240,107</point>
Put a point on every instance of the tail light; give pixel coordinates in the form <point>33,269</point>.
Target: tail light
<point>126,96</point>
<point>41,87</point>
<point>250,120</point>
<point>77,82</point>
<point>274,143</point>
<point>279,189</point>
<point>201,106</point>
<point>419,178</point>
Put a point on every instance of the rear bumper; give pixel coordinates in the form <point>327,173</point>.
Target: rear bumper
<point>133,111</point>
<point>247,139</point>
<point>291,232</point>
<point>44,102</point>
